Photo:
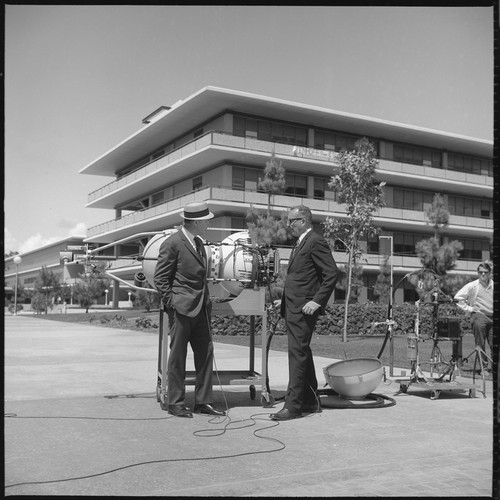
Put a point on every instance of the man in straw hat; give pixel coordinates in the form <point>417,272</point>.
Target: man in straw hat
<point>181,279</point>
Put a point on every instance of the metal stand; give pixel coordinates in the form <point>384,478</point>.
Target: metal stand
<point>442,374</point>
<point>250,302</point>
<point>478,353</point>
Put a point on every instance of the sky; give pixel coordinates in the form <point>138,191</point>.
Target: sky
<point>80,79</point>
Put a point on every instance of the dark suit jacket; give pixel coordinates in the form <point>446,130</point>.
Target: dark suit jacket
<point>311,274</point>
<point>181,276</point>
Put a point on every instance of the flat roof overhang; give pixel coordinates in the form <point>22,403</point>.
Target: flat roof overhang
<point>212,101</point>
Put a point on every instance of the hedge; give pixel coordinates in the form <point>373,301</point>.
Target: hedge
<point>360,320</point>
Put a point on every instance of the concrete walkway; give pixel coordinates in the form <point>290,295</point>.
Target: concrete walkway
<point>82,418</point>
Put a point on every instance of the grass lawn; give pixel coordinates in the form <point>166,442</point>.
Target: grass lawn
<point>327,346</point>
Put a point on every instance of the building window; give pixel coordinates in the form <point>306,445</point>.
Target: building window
<point>320,186</point>
<point>372,245</point>
<point>197,183</point>
<point>404,243</point>
<point>417,156</point>
<point>409,292</point>
<point>473,249</point>
<point>339,295</point>
<point>158,154</point>
<point>470,165</point>
<point>158,198</point>
<point>322,191</point>
<point>268,130</point>
<point>470,207</point>
<point>238,223</point>
<point>334,141</point>
<point>296,185</point>
<point>369,281</point>
<point>245,179</point>
<point>411,200</point>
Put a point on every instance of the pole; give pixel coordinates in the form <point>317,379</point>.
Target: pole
<point>390,318</point>
<point>17,261</point>
<point>391,366</point>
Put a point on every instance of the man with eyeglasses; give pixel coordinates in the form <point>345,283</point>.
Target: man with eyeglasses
<point>476,298</point>
<point>309,283</point>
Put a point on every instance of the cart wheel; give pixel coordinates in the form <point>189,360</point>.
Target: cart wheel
<point>403,388</point>
<point>267,402</point>
<point>252,392</point>
<point>435,395</point>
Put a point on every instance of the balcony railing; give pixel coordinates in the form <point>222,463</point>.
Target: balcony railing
<point>280,202</point>
<point>226,140</point>
<point>221,139</point>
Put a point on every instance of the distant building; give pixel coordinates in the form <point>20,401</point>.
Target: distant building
<point>214,145</point>
<point>52,256</point>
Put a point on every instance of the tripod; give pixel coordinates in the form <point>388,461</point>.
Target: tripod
<point>442,367</point>
<point>479,356</point>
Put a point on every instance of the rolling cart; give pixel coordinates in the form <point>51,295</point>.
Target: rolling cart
<point>251,302</point>
<point>442,375</point>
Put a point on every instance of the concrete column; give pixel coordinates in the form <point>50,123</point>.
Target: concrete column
<point>444,160</point>
<point>116,293</point>
<point>310,137</point>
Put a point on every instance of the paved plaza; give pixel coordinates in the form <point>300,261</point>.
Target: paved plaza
<point>82,418</point>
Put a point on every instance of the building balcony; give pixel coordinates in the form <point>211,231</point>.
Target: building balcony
<point>217,147</point>
<point>224,201</point>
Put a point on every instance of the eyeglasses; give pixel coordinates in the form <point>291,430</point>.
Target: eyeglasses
<point>291,221</point>
<point>483,272</point>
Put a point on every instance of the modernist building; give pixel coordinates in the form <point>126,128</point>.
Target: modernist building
<point>214,146</point>
<point>52,256</point>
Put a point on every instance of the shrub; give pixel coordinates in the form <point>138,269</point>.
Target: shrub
<point>146,323</point>
<point>359,321</point>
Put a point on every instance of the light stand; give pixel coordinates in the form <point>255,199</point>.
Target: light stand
<point>390,321</point>
<point>17,261</point>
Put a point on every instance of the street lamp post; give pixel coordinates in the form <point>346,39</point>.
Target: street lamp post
<point>17,261</point>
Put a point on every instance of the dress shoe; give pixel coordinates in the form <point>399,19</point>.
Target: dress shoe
<point>208,409</point>
<point>180,411</point>
<point>285,414</point>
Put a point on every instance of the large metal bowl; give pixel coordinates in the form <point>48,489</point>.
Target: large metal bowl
<point>354,378</point>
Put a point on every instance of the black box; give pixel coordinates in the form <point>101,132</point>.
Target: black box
<point>448,327</point>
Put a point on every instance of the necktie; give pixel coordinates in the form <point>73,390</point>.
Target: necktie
<point>294,249</point>
<point>199,244</point>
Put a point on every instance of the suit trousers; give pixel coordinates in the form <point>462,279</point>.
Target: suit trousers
<point>185,330</point>
<point>482,327</point>
<point>302,382</point>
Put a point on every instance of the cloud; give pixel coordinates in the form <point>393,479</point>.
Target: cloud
<point>37,240</point>
<point>34,242</point>
<point>10,243</point>
<point>80,229</point>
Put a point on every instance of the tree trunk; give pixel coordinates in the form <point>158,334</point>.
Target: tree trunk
<point>348,294</point>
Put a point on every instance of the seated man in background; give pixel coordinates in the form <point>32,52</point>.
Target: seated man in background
<point>476,298</point>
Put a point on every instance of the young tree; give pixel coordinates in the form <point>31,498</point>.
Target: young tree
<point>267,228</point>
<point>382,287</point>
<point>91,287</point>
<point>435,256</point>
<point>47,287</point>
<point>356,186</point>
<point>274,180</point>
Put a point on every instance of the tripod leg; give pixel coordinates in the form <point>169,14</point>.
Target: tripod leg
<point>479,355</point>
